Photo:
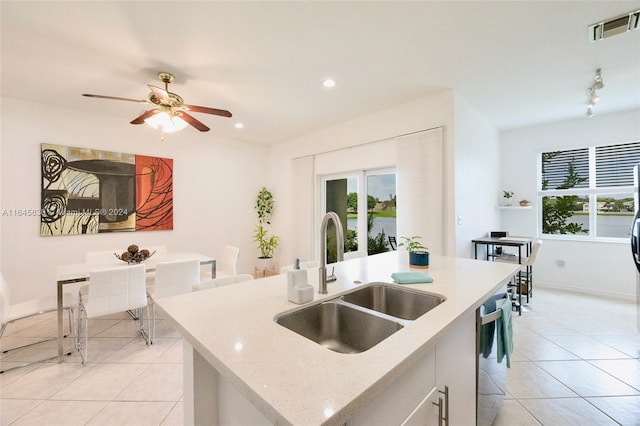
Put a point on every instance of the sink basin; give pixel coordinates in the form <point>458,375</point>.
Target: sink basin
<point>393,300</point>
<point>339,327</point>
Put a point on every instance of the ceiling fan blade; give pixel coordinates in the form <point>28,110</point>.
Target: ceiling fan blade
<point>147,114</point>
<point>115,98</point>
<point>207,110</point>
<point>191,120</point>
<point>159,93</point>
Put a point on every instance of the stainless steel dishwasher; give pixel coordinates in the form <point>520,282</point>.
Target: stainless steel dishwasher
<point>491,376</point>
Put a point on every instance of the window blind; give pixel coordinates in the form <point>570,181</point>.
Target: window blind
<point>557,165</point>
<point>614,164</point>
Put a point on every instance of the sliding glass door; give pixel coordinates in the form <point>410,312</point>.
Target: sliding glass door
<point>365,201</point>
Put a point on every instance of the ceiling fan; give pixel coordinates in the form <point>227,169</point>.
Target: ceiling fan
<point>169,112</point>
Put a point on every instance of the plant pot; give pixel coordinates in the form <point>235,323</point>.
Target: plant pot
<point>265,267</point>
<point>419,259</point>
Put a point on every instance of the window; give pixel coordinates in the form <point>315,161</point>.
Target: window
<point>588,193</point>
<point>370,219</point>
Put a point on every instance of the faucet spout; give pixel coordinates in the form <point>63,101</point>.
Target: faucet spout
<point>322,288</point>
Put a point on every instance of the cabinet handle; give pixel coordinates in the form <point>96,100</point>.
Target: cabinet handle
<point>446,405</point>
<point>439,405</point>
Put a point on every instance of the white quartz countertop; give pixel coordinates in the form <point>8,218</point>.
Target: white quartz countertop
<point>293,380</point>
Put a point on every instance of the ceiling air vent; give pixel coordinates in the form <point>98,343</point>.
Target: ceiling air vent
<point>618,25</point>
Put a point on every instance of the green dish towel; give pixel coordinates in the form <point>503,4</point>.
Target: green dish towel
<point>504,332</point>
<point>411,277</point>
<point>488,330</point>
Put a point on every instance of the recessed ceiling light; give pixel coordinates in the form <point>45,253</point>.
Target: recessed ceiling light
<point>329,83</point>
<point>239,126</point>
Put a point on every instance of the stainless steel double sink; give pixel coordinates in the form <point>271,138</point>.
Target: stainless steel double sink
<point>360,319</point>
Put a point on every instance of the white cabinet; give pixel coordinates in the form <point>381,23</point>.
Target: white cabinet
<point>401,397</point>
<point>429,412</point>
<point>442,379</point>
<point>456,369</point>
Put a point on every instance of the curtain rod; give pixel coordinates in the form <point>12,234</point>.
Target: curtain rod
<point>368,143</point>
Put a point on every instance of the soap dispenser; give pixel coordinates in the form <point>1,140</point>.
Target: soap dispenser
<point>298,288</point>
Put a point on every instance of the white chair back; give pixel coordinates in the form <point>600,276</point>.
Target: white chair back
<point>534,253</point>
<point>226,265</point>
<point>116,289</point>
<point>303,265</point>
<point>176,277</point>
<point>5,301</point>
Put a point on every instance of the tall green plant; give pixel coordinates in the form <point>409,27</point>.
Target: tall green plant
<point>264,209</point>
<point>556,210</point>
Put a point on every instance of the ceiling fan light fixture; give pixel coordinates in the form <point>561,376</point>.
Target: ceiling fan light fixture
<point>592,95</point>
<point>169,123</point>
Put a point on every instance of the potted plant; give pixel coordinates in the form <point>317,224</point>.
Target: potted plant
<point>266,243</point>
<point>418,254</point>
<point>507,196</point>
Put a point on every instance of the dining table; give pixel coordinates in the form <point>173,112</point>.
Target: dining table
<point>80,272</point>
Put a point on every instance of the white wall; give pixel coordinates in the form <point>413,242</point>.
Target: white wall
<point>436,110</point>
<point>477,176</point>
<point>215,184</point>
<point>595,267</point>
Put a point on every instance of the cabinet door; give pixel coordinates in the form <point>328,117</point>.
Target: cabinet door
<point>456,368</point>
<point>393,405</point>
<point>427,413</point>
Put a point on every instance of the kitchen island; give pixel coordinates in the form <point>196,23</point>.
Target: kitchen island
<point>241,367</point>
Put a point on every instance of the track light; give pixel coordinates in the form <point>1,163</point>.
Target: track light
<point>592,95</point>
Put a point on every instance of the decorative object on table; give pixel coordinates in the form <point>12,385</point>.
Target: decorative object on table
<point>134,254</point>
<point>89,191</point>
<point>411,277</point>
<point>418,254</point>
<point>507,196</point>
<point>266,243</point>
<point>525,203</point>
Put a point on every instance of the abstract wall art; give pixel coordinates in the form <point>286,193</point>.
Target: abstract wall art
<point>88,191</point>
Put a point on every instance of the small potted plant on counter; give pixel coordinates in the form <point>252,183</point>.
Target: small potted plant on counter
<point>418,254</point>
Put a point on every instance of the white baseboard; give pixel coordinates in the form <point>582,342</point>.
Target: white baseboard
<point>625,297</point>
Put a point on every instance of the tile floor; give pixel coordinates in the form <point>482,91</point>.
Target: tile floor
<point>576,362</point>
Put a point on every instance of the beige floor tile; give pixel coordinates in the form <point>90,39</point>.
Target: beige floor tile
<point>102,382</point>
<point>13,409</point>
<point>137,351</point>
<point>539,348</point>
<point>44,381</point>
<point>158,382</point>
<point>587,348</point>
<point>527,380</point>
<point>67,413</point>
<point>623,409</point>
<point>585,379</point>
<point>514,414</point>
<point>100,349</point>
<point>132,414</point>
<point>173,355</point>
<point>627,344</point>
<point>566,412</point>
<point>627,370</point>
<point>175,416</point>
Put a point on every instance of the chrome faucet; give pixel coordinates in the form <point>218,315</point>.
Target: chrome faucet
<point>322,288</point>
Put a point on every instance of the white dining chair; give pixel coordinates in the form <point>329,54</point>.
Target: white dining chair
<point>112,290</point>
<point>226,265</point>
<point>10,313</point>
<point>220,282</point>
<point>307,264</point>
<point>172,278</point>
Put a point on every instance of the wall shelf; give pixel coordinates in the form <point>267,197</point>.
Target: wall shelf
<point>514,207</point>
